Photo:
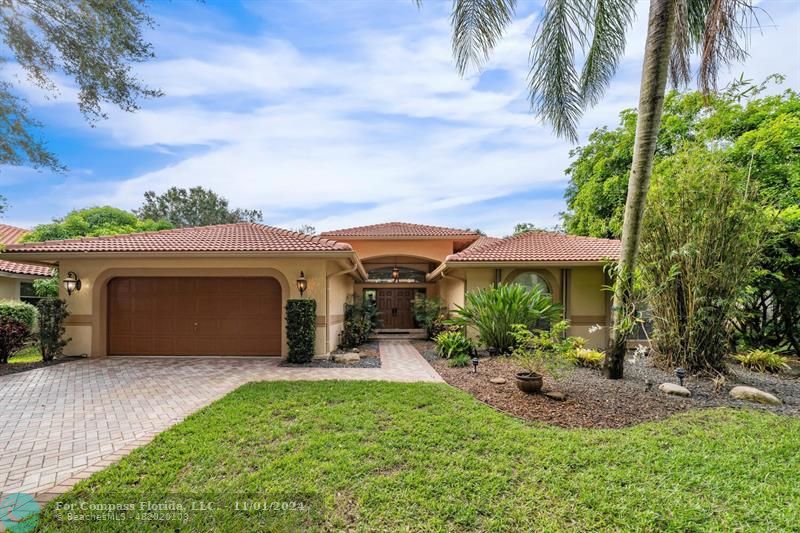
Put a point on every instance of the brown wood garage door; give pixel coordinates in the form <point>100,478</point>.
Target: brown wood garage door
<point>194,316</point>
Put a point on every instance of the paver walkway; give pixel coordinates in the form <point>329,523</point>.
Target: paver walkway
<point>62,423</point>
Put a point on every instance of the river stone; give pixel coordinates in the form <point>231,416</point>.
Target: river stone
<point>497,381</point>
<point>349,357</point>
<point>752,394</point>
<point>556,395</point>
<point>673,389</point>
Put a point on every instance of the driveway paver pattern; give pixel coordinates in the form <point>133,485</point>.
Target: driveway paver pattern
<point>62,423</point>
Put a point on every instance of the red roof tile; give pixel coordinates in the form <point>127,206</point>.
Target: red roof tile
<point>239,237</point>
<point>399,229</point>
<point>540,246</point>
<point>10,235</point>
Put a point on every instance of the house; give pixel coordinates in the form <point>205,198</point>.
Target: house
<point>221,290</point>
<point>16,279</point>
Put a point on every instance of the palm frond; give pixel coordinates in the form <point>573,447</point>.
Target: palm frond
<point>553,83</point>
<point>477,27</point>
<point>612,18</point>
<point>725,40</point>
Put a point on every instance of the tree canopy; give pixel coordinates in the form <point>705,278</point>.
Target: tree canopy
<point>92,43</point>
<point>758,133</point>
<point>94,222</point>
<point>193,207</point>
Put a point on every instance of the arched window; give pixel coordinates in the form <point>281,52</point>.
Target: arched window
<point>531,280</point>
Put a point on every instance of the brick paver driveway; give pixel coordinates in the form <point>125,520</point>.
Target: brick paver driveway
<point>62,423</point>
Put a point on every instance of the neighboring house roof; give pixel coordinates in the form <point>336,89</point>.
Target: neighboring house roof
<point>239,237</point>
<point>400,230</point>
<point>10,235</point>
<point>540,246</point>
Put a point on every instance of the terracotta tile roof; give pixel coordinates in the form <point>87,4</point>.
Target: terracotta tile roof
<point>10,235</point>
<point>239,237</point>
<point>540,246</point>
<point>399,229</point>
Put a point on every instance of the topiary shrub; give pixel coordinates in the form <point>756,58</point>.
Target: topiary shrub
<point>19,311</point>
<point>52,313</point>
<point>301,328</point>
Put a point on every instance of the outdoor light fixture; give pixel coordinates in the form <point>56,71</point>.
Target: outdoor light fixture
<point>72,283</point>
<point>475,361</point>
<point>302,283</point>
<point>395,274</point>
<point>680,372</point>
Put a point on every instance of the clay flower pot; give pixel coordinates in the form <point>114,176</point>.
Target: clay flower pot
<point>529,382</point>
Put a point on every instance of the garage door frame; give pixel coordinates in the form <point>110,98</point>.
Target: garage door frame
<point>100,297</point>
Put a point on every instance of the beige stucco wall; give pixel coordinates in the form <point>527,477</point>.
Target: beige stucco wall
<point>86,324</point>
<point>587,305</point>
<point>9,288</point>
<point>435,250</point>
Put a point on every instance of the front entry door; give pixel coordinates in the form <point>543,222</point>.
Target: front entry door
<point>394,306</point>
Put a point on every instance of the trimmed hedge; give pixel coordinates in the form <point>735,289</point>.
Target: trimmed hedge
<point>301,325</point>
<point>19,311</point>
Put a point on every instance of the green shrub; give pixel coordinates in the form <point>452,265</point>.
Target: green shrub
<point>428,314</point>
<point>544,351</point>
<point>52,313</point>
<point>459,361</point>
<point>19,311</point>
<point>588,358</point>
<point>45,287</point>
<point>13,335</point>
<point>360,321</point>
<point>301,326</point>
<point>763,361</point>
<point>492,312</point>
<point>451,344</point>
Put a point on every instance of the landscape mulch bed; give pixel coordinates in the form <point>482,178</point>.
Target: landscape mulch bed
<point>596,402</point>
<point>370,358</point>
<point>13,368</point>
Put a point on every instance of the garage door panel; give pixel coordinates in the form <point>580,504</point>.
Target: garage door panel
<point>194,316</point>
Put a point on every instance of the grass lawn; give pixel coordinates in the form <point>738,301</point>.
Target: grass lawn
<point>384,456</point>
<point>31,354</point>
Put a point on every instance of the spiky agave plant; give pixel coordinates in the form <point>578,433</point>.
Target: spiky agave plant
<point>560,91</point>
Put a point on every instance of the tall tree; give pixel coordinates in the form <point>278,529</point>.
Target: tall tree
<point>193,207</point>
<point>559,93</point>
<point>91,42</point>
<point>93,222</point>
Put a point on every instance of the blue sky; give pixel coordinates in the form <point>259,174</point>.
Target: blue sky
<point>337,113</point>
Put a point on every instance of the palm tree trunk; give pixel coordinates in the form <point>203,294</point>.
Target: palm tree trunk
<point>660,29</point>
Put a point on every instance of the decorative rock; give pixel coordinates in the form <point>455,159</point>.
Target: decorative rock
<point>349,357</point>
<point>497,381</point>
<point>556,395</point>
<point>752,394</point>
<point>674,389</point>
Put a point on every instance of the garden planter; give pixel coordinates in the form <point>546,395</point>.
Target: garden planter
<point>529,382</point>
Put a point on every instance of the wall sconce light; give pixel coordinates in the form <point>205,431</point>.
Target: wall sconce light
<point>302,283</point>
<point>72,283</point>
<point>395,274</point>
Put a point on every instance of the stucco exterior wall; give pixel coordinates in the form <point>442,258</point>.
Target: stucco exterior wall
<point>340,292</point>
<point>9,288</point>
<point>435,250</point>
<point>587,305</point>
<point>86,325</point>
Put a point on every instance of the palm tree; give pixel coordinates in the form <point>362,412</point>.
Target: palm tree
<point>714,29</point>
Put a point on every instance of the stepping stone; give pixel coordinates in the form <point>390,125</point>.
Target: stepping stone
<point>498,381</point>
<point>673,389</point>
<point>556,395</point>
<point>752,394</point>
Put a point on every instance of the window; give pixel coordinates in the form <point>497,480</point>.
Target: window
<point>27,294</point>
<point>406,275</point>
<point>531,280</point>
